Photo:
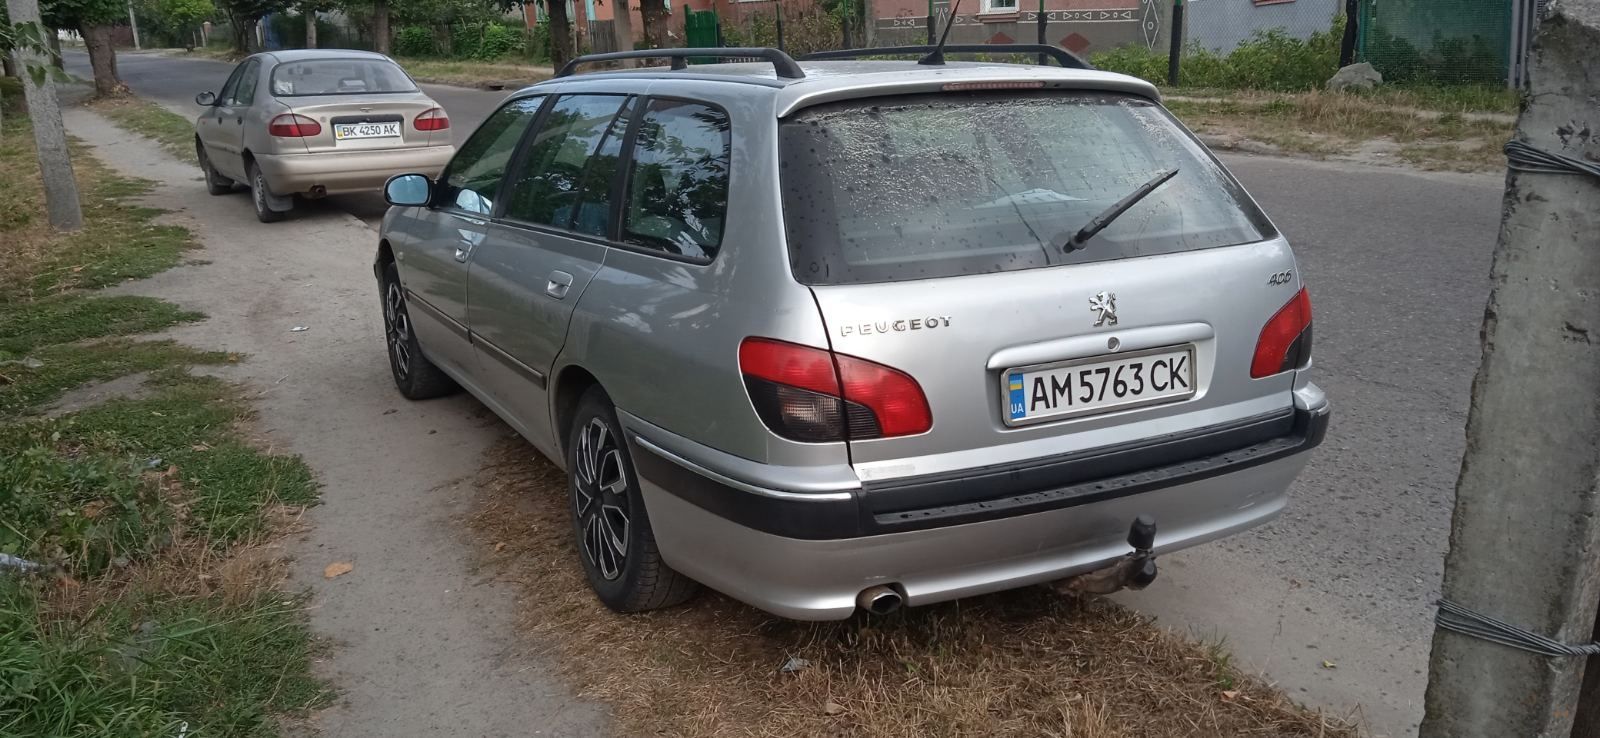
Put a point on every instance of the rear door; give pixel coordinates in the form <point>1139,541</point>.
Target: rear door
<point>360,103</point>
<point>931,229</point>
<point>549,241</point>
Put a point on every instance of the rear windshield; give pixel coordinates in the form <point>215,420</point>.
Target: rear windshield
<point>902,188</point>
<point>339,77</point>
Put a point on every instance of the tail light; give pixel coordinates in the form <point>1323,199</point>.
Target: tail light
<point>432,119</point>
<point>1285,341</point>
<point>290,125</point>
<point>814,395</point>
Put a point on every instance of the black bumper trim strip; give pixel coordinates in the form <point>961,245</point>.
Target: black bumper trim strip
<point>1075,479</point>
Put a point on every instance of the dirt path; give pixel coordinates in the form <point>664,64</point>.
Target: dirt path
<point>421,644</point>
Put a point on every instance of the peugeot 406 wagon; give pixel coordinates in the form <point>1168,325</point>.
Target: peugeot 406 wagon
<point>843,334</point>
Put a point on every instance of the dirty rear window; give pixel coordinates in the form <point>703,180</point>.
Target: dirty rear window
<point>339,77</point>
<point>916,187</point>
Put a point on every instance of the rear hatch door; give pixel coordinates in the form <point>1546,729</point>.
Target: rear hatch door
<point>931,227</point>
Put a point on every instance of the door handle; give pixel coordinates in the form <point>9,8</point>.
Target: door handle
<point>558,285</point>
<point>462,253</point>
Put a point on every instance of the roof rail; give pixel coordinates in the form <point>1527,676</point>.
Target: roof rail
<point>1062,56</point>
<point>782,63</point>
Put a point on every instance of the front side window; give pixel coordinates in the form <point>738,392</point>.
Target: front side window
<point>473,176</point>
<point>339,77</point>
<point>677,199</point>
<point>225,97</point>
<point>548,188</point>
<point>917,187</point>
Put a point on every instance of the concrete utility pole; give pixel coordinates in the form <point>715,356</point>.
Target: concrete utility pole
<point>1525,538</point>
<point>49,135</point>
<point>133,23</point>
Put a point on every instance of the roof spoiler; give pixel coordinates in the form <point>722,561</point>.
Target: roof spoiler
<point>1063,57</point>
<point>782,63</point>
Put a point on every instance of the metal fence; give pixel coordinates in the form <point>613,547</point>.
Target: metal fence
<point>1436,41</point>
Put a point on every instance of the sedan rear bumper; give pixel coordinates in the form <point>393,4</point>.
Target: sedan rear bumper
<point>809,559</point>
<point>338,173</point>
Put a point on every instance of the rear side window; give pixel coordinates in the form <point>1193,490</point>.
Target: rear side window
<point>677,198</point>
<point>917,187</point>
<point>339,77</point>
<point>246,93</point>
<point>548,188</point>
<point>470,181</point>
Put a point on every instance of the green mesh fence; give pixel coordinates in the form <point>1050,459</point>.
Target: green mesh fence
<point>1443,41</point>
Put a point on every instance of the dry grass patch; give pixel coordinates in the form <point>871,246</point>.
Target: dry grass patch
<point>1338,125</point>
<point>1023,663</point>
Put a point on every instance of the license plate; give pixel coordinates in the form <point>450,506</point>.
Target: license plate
<point>346,131</point>
<point>1097,384</point>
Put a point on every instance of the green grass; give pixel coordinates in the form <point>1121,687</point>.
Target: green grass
<point>135,505</point>
<point>67,318</point>
<point>148,666</point>
<point>469,73</point>
<point>174,132</point>
<point>65,366</point>
<point>119,240</point>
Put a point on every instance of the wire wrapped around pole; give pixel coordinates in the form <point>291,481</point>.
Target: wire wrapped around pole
<point>1522,157</point>
<point>1458,619</point>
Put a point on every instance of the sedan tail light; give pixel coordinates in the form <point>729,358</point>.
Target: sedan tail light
<point>1285,341</point>
<point>290,125</point>
<point>432,119</point>
<point>815,395</point>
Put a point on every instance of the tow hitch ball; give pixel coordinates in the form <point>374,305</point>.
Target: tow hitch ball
<point>1135,570</point>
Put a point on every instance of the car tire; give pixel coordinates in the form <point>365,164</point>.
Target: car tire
<point>415,376</point>
<point>615,541</point>
<point>216,184</point>
<point>259,193</point>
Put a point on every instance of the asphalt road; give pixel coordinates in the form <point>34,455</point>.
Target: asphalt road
<point>1332,601</point>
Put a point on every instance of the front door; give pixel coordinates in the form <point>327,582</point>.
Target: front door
<point>232,111</point>
<point>220,128</point>
<point>434,245</point>
<point>549,242</point>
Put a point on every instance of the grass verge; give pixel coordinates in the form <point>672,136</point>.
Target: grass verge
<point>473,73</point>
<point>174,132</point>
<point>155,609</point>
<point>1342,125</point>
<point>1022,663</point>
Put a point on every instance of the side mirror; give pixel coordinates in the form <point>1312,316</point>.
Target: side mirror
<point>206,99</point>
<point>408,190</point>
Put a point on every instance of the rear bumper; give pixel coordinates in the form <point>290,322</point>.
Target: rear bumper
<point>806,556</point>
<point>348,172</point>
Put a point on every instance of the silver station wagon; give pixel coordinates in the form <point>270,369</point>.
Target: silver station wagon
<point>841,334</point>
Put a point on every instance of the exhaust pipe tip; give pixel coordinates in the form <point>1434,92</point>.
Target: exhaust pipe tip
<point>880,599</point>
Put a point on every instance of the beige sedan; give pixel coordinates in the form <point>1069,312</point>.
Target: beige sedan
<point>317,122</point>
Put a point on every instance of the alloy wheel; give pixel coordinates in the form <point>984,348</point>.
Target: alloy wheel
<point>397,328</point>
<point>600,499</point>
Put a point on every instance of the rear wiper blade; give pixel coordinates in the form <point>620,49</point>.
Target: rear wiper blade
<point>1099,222</point>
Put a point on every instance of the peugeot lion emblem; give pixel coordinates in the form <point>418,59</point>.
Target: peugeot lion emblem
<point>1104,306</point>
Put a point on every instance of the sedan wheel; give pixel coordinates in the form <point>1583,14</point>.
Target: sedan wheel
<point>259,193</point>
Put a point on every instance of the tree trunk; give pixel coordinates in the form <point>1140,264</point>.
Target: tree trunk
<point>622,24</point>
<point>560,33</point>
<point>380,26</point>
<point>103,60</point>
<point>1347,43</point>
<point>653,14</point>
<point>54,39</point>
<point>311,29</point>
<point>242,29</point>
<point>11,68</point>
<point>49,135</point>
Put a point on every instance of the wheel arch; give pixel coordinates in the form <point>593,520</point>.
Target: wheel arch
<point>567,388</point>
